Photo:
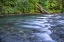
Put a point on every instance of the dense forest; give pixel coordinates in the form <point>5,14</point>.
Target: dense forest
<point>29,6</point>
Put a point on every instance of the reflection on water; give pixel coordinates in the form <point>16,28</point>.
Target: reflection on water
<point>29,28</point>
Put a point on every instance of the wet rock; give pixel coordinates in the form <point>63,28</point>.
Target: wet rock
<point>55,36</point>
<point>0,40</point>
<point>21,32</point>
<point>60,32</point>
<point>60,40</point>
<point>58,35</point>
<point>36,41</point>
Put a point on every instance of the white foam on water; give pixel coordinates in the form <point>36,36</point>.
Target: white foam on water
<point>43,36</point>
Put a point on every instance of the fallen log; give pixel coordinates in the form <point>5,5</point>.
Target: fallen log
<point>41,9</point>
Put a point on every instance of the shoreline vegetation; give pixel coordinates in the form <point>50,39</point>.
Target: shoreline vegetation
<point>15,7</point>
<point>25,14</point>
<point>18,14</point>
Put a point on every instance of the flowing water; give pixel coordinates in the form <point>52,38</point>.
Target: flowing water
<point>32,28</point>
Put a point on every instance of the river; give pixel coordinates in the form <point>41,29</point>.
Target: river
<point>32,28</point>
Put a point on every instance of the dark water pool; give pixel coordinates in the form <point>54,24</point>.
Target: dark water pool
<point>32,28</point>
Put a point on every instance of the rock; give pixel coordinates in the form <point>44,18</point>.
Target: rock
<point>60,32</point>
<point>0,40</point>
<point>55,36</point>
<point>58,35</point>
<point>60,40</point>
<point>21,32</point>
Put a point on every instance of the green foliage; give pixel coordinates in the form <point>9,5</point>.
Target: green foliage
<point>29,6</point>
<point>52,5</point>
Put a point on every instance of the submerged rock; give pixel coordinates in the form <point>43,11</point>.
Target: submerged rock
<point>60,32</point>
<point>55,36</point>
<point>0,40</point>
<point>58,35</point>
<point>60,40</point>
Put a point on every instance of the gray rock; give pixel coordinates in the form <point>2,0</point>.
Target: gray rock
<point>60,40</point>
<point>60,32</point>
<point>0,40</point>
<point>55,36</point>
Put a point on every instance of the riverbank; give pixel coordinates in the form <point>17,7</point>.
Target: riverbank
<point>18,14</point>
<point>26,14</point>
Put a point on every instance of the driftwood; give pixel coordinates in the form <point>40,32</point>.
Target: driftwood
<point>41,9</point>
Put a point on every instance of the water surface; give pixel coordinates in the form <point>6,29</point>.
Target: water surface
<point>30,28</point>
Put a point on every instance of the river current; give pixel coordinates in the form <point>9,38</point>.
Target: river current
<point>31,28</point>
